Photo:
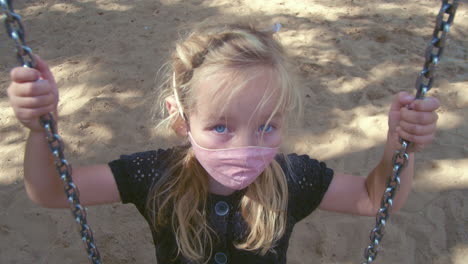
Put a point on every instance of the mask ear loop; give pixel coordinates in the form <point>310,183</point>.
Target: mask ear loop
<point>179,105</point>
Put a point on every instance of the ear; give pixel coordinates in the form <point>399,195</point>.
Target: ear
<point>178,124</point>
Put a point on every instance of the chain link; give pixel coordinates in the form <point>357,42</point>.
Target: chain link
<point>15,30</point>
<point>424,83</point>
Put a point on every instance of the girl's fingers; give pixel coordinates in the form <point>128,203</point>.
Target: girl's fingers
<point>419,140</point>
<point>22,74</point>
<point>31,89</point>
<point>33,93</point>
<point>44,69</point>
<point>417,122</point>
<point>27,114</point>
<point>400,100</point>
<point>428,104</point>
<point>415,117</point>
<point>35,102</point>
<point>418,130</point>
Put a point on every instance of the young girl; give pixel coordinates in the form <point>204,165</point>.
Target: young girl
<point>226,194</point>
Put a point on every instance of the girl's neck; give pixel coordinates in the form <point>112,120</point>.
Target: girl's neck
<point>219,189</point>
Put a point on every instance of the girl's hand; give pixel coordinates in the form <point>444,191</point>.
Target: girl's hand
<point>33,93</point>
<point>412,120</point>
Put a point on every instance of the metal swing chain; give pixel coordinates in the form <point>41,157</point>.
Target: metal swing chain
<point>400,159</point>
<point>15,30</point>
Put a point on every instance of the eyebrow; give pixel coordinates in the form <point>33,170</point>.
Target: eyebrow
<point>223,118</point>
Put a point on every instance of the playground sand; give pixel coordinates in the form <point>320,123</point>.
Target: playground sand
<point>352,55</point>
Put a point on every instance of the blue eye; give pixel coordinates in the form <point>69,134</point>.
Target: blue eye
<point>220,128</point>
<point>265,128</point>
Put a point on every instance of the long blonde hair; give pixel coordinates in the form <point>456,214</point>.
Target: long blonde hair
<point>243,52</point>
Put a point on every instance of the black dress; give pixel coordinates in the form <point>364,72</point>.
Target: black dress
<point>135,174</point>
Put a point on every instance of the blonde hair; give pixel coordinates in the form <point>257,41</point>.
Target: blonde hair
<point>242,52</point>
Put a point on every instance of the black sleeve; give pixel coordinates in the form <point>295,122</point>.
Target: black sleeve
<point>308,181</point>
<point>135,174</point>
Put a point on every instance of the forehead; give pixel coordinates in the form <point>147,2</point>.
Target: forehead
<point>237,95</point>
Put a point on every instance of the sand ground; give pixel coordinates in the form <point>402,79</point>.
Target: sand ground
<point>353,56</point>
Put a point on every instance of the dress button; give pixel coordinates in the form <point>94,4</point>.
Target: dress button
<point>220,258</point>
<point>221,208</point>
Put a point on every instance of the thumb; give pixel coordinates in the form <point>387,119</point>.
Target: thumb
<point>44,69</point>
<point>400,100</point>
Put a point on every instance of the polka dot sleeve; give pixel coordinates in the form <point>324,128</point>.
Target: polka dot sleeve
<point>308,181</point>
<point>135,174</point>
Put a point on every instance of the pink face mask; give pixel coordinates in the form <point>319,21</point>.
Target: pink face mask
<point>235,168</point>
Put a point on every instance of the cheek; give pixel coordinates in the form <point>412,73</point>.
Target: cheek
<point>275,140</point>
<point>271,140</point>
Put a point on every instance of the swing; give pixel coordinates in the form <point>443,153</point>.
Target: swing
<point>424,83</point>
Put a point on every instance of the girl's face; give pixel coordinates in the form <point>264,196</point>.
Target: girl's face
<point>241,121</point>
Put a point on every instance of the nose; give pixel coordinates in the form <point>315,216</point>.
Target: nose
<point>244,139</point>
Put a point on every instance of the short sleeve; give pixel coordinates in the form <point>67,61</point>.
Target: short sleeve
<point>308,181</point>
<point>135,175</point>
